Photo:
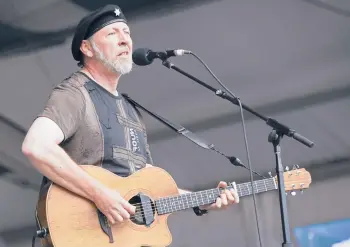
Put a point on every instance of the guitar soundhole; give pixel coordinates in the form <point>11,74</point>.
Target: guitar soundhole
<point>145,210</point>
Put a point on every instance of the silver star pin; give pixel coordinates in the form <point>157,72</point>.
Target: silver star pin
<point>117,12</point>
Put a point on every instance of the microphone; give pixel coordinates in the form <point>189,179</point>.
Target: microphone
<point>145,56</point>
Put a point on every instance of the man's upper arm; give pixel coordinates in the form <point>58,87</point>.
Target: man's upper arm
<point>46,130</point>
<point>62,114</point>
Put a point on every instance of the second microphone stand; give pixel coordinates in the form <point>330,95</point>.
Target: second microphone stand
<point>278,131</point>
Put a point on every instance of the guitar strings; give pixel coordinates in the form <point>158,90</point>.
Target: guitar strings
<point>150,212</point>
<point>240,187</point>
<point>241,191</point>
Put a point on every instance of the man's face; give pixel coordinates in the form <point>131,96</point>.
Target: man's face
<point>112,45</point>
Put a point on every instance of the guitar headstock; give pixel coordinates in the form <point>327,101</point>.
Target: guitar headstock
<point>296,179</point>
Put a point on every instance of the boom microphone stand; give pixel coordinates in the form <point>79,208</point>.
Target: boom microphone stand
<point>278,131</point>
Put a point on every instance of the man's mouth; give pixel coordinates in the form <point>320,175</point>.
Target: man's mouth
<point>124,53</point>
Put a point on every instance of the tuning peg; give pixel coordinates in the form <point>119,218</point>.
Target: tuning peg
<point>302,188</point>
<point>289,173</point>
<point>293,193</point>
<point>295,167</point>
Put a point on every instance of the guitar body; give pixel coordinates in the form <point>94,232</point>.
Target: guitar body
<point>73,221</point>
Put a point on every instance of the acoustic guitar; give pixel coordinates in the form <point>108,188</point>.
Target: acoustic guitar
<point>69,220</point>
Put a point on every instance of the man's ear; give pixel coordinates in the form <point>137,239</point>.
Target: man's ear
<point>86,48</point>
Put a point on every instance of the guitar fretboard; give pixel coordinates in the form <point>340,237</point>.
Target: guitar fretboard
<point>185,201</point>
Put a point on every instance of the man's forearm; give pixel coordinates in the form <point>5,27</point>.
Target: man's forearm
<point>54,163</point>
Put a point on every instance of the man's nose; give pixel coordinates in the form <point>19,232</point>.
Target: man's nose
<point>122,39</point>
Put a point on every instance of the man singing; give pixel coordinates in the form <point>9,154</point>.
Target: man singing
<point>86,121</point>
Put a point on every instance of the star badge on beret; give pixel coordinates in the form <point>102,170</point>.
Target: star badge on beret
<point>117,12</point>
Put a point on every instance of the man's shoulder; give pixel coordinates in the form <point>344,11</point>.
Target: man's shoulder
<point>72,87</point>
<point>75,80</point>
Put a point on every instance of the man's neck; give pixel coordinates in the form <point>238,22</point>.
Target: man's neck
<point>102,76</point>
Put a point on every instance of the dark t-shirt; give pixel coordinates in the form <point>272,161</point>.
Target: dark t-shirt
<point>124,141</point>
<point>99,128</point>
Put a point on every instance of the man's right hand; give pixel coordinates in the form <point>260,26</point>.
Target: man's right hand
<point>113,205</point>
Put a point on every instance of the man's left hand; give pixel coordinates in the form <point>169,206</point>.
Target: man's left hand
<point>227,197</point>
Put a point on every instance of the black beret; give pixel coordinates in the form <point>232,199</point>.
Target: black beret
<point>92,23</point>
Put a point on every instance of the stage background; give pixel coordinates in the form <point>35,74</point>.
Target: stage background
<point>288,59</point>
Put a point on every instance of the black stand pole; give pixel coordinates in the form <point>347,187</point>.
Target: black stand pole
<point>279,130</point>
<point>275,138</point>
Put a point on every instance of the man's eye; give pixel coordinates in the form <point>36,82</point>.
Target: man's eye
<point>111,33</point>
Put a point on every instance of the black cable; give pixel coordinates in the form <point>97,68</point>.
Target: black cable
<point>231,158</point>
<point>245,139</point>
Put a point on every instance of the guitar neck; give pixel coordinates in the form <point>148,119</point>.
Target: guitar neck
<point>185,201</point>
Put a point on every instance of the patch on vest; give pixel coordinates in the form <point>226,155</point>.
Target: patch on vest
<point>135,141</point>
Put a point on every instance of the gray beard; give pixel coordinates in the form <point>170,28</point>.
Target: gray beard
<point>119,66</point>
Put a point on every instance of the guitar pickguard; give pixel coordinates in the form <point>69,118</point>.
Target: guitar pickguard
<point>106,227</point>
<point>145,210</point>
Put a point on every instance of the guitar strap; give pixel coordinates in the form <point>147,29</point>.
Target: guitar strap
<point>175,127</point>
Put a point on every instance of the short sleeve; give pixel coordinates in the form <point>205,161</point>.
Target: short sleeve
<point>66,107</point>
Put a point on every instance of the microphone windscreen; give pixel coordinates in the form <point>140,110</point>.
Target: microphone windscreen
<point>139,57</point>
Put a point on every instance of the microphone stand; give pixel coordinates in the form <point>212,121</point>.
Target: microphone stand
<point>278,131</point>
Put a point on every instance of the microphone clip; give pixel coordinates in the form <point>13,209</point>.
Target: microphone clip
<point>161,55</point>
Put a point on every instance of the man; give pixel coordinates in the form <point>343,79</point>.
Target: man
<point>87,122</point>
